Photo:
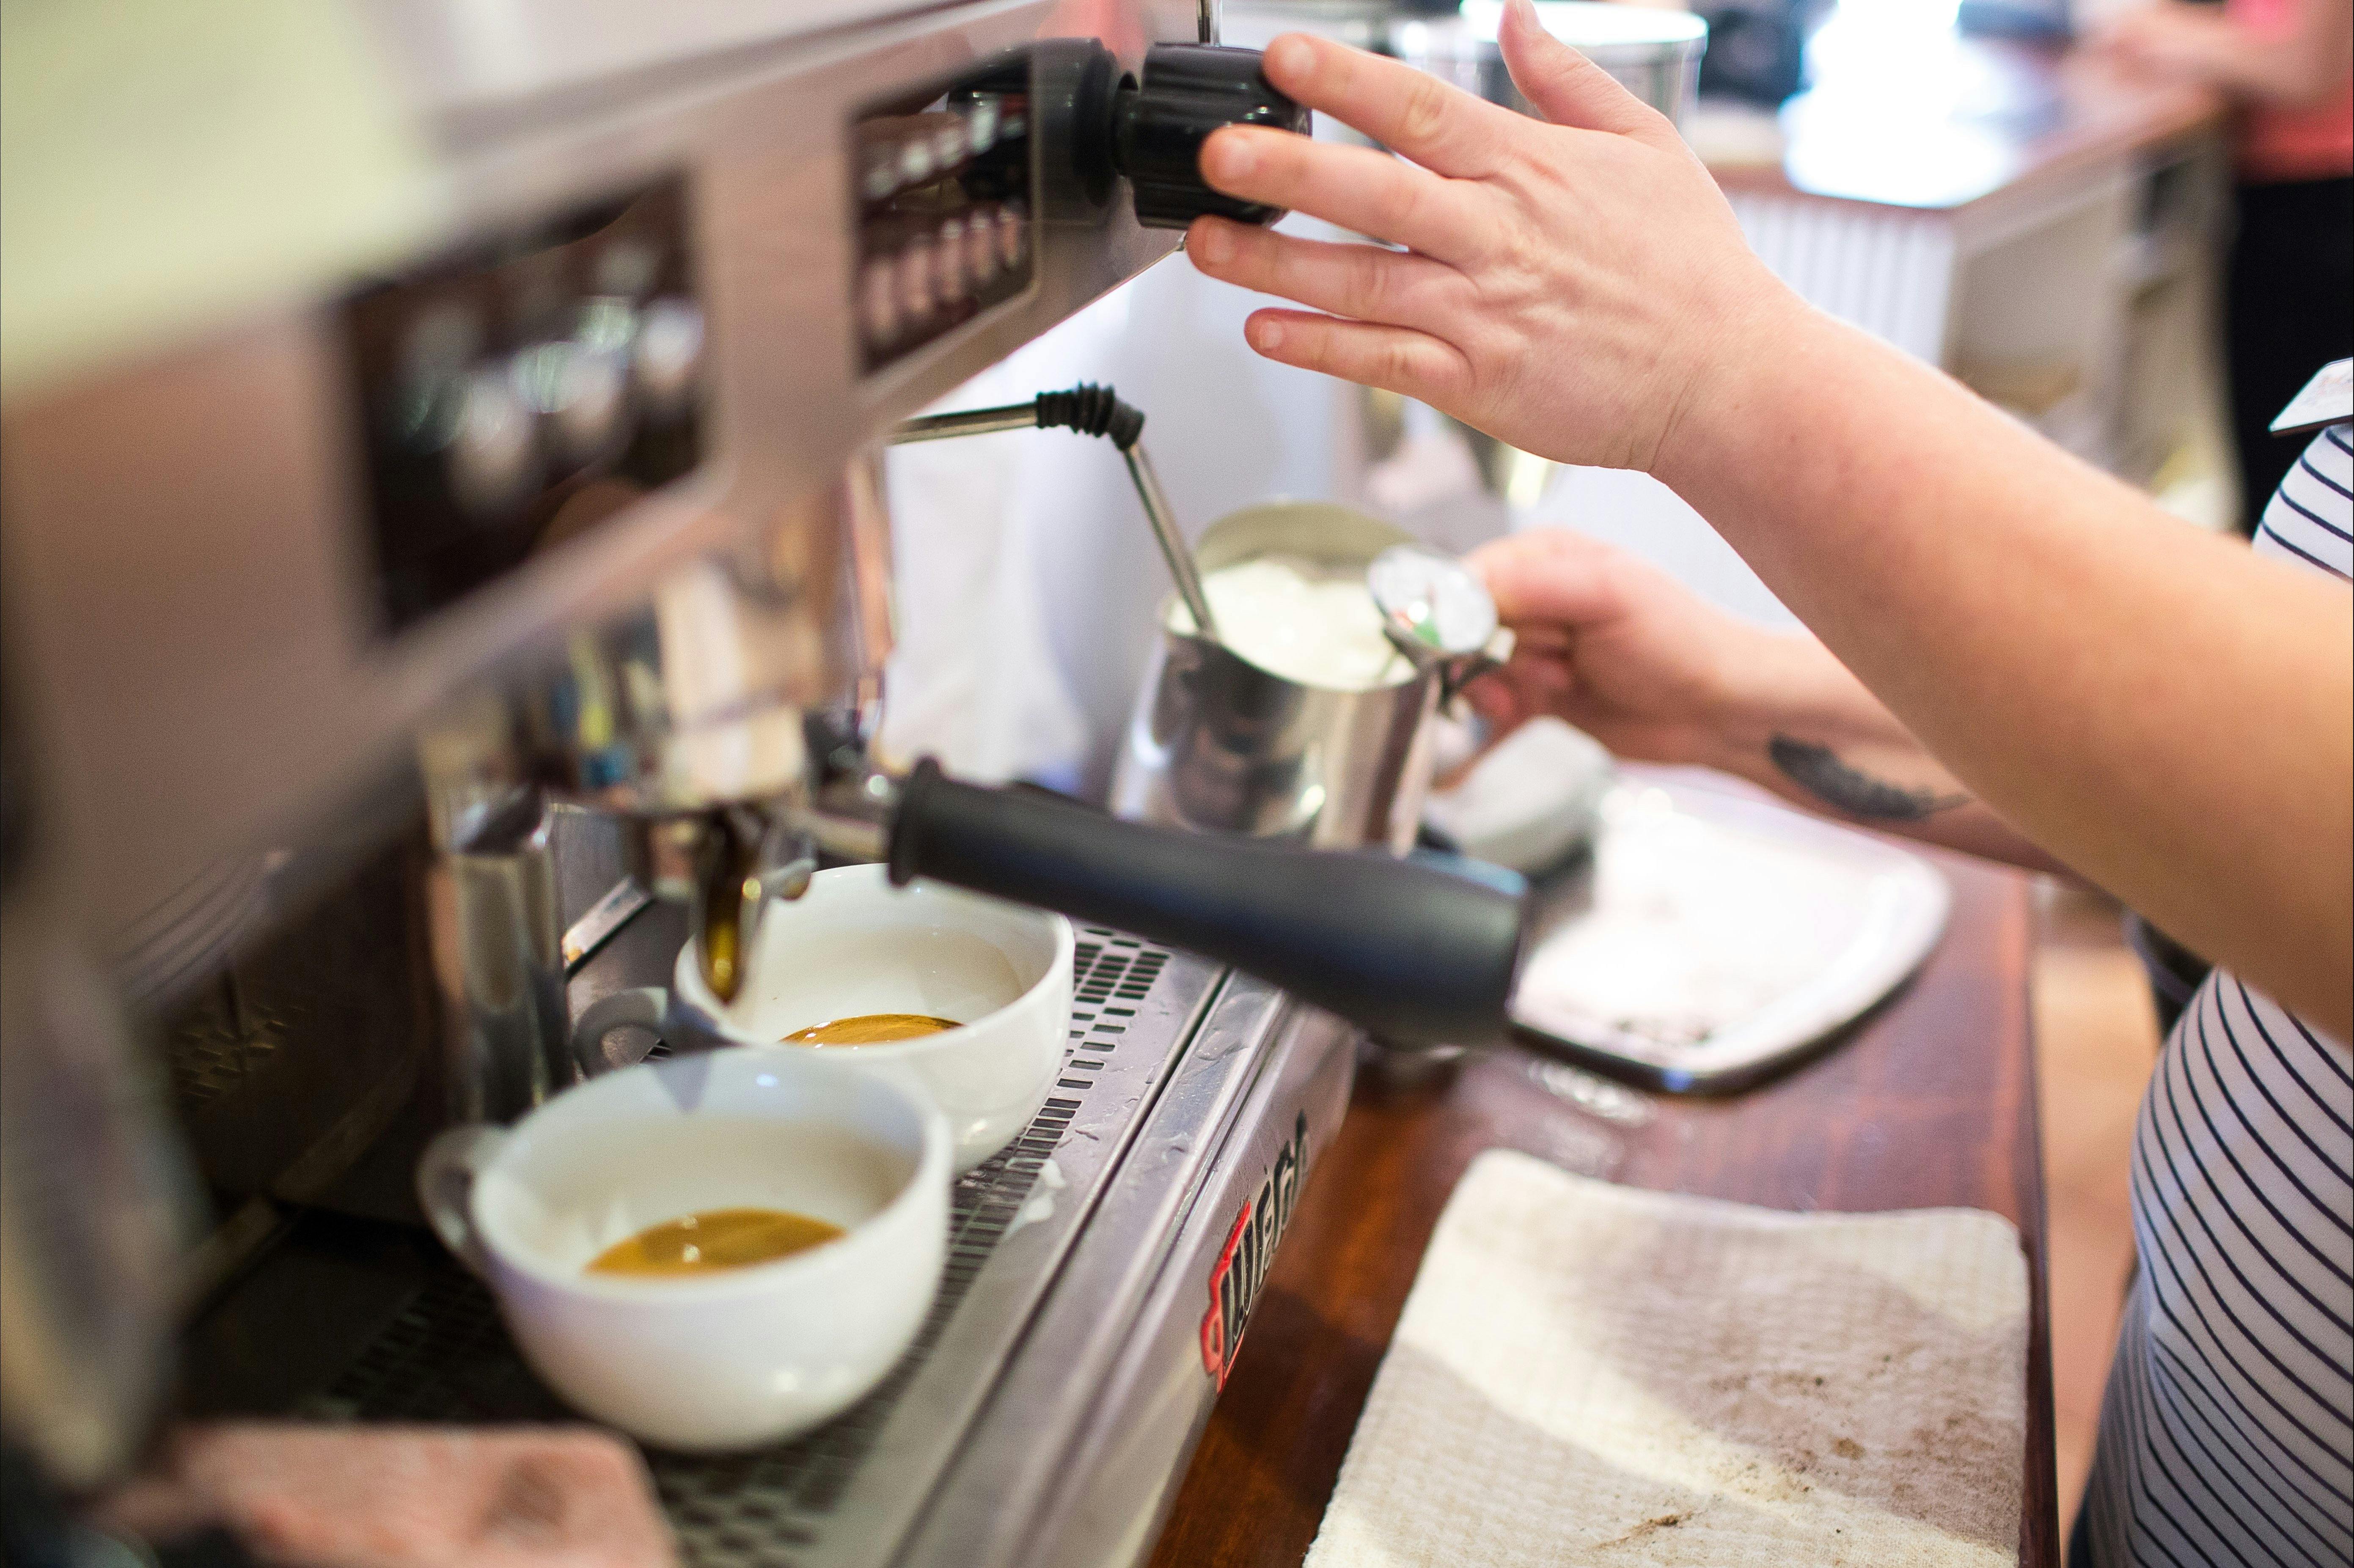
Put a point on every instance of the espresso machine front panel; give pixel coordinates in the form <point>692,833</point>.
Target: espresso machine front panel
<point>516,394</point>
<point>638,343</point>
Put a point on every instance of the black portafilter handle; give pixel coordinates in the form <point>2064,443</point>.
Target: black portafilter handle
<point>1416,955</point>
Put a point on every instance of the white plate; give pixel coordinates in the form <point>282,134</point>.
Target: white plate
<point>1713,937</point>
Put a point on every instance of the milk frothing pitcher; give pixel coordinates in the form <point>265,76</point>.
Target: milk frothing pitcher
<point>1218,743</point>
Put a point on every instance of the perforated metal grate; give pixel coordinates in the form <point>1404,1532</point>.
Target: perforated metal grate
<point>447,1357</point>
<point>1114,973</point>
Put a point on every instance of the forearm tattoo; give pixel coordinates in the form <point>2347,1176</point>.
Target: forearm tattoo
<point>1819,771</point>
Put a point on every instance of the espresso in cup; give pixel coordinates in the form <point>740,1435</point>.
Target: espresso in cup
<point>871,1029</point>
<point>714,1240</point>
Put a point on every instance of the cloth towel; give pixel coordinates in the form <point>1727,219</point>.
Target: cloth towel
<point>1588,1373</point>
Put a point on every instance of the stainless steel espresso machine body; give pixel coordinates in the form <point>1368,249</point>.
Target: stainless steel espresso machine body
<point>359,645</point>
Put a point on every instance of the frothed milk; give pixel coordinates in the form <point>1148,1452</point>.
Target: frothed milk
<point>1304,623</point>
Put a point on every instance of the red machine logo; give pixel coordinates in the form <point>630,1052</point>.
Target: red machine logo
<point>1250,1248</point>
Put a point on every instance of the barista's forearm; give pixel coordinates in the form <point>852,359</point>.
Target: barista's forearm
<point>1794,721</point>
<point>2153,706</point>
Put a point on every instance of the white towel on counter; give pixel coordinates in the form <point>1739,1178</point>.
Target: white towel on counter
<point>1588,1373</point>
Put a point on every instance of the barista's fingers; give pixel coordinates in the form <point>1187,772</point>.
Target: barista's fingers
<point>1570,90</point>
<point>1355,187</point>
<point>1410,112</point>
<point>1540,638</point>
<point>1550,577</point>
<point>1366,282</point>
<point>1533,686</point>
<point>1395,359</point>
<point>1494,698</point>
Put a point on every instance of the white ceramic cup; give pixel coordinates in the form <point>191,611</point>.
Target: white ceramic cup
<point>738,1358</point>
<point>854,944</point>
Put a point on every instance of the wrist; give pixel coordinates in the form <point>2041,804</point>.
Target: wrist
<point>1752,365</point>
<point>1773,684</point>
<point>1757,678</point>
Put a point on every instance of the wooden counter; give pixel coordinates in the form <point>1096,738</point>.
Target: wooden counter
<point>2038,222</point>
<point>1931,1101</point>
<point>1941,123</point>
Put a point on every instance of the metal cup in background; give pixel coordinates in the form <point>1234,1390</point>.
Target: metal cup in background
<point>1653,54</point>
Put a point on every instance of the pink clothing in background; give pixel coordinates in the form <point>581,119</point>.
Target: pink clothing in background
<point>2280,145</point>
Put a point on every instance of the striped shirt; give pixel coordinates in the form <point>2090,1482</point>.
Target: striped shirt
<point>2227,1434</point>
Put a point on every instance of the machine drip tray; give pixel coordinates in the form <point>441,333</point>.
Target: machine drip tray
<point>1181,1083</point>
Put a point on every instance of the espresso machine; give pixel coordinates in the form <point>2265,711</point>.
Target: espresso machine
<point>399,661</point>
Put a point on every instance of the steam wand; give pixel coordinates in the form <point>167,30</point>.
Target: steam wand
<point>1092,411</point>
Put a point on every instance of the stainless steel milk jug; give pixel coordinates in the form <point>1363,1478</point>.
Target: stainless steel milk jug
<point>1217,743</point>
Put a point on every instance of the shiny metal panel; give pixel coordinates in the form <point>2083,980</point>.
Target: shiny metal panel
<point>1086,1437</point>
<point>184,614</point>
<point>916,1457</point>
<point>452,55</point>
<point>494,923</point>
<point>1653,54</point>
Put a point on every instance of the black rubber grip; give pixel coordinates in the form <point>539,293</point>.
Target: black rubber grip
<point>1091,410</point>
<point>1413,954</point>
<point>1191,91</point>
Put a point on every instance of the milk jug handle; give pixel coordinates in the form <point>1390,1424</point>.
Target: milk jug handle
<point>1459,673</point>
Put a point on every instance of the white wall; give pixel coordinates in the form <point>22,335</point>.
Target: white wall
<point>1028,580</point>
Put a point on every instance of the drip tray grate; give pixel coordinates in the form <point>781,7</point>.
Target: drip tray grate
<point>446,1356</point>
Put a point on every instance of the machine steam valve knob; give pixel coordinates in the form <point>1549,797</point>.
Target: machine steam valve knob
<point>1157,129</point>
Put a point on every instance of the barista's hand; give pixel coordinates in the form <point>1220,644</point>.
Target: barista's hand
<point>1568,288</point>
<point>1609,643</point>
<point>1623,651</point>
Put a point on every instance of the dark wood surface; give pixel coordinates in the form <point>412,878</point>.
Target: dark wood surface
<point>1928,1102</point>
<point>1977,121</point>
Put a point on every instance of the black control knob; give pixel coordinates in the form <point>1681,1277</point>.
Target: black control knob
<point>1157,129</point>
